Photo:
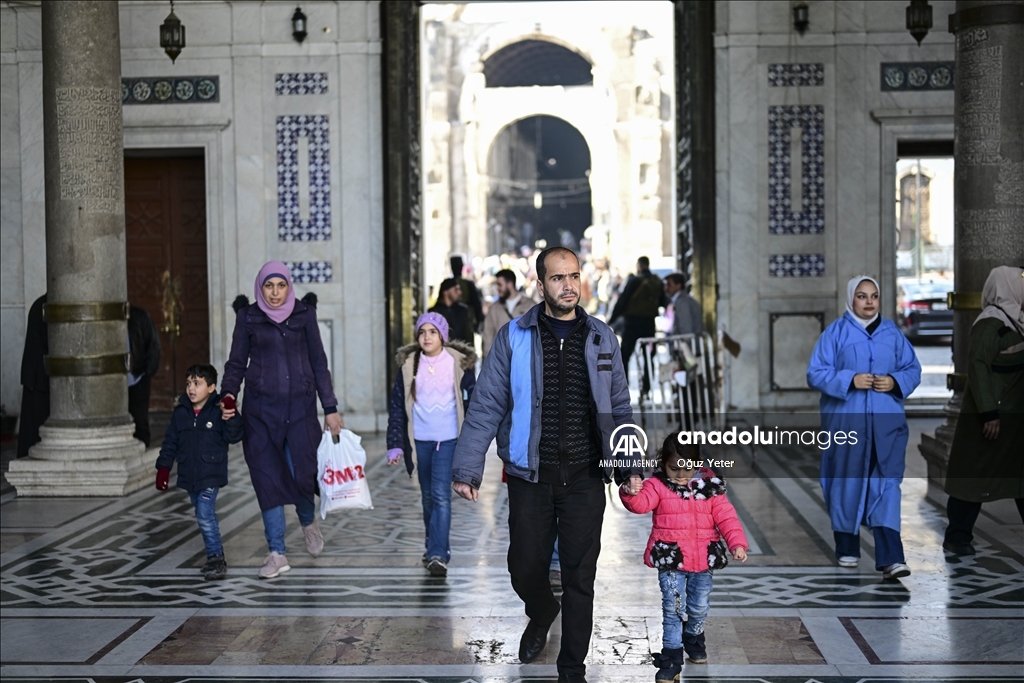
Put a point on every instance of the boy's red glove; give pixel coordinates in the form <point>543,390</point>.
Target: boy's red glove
<point>163,476</point>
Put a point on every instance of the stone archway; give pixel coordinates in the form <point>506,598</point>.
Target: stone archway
<point>538,172</point>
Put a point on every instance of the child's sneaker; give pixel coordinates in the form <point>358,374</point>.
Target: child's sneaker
<point>275,565</point>
<point>437,567</point>
<point>670,664</point>
<point>696,652</point>
<point>314,539</point>
<point>215,568</point>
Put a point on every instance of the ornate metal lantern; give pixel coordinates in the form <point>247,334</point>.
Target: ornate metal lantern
<point>919,19</point>
<point>801,17</point>
<point>299,25</point>
<point>172,35</point>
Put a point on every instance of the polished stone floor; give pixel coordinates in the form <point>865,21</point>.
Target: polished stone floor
<point>109,590</point>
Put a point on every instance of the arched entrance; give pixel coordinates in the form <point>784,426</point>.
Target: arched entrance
<point>539,185</point>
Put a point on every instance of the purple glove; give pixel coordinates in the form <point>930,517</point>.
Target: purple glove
<point>394,455</point>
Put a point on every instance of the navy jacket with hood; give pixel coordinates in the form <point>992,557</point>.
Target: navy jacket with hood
<point>199,444</point>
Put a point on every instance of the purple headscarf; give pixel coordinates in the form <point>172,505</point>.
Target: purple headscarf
<point>269,270</point>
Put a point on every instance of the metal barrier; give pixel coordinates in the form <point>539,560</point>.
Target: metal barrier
<point>686,379</point>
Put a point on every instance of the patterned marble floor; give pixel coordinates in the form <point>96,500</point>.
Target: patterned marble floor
<point>109,590</point>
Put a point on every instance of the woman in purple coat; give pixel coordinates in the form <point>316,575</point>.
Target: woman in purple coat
<point>276,349</point>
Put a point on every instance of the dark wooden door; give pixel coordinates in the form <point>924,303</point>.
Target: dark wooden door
<point>165,215</point>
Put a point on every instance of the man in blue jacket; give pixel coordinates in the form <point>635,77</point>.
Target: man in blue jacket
<point>552,390</point>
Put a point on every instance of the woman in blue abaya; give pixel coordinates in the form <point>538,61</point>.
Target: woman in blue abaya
<point>864,367</point>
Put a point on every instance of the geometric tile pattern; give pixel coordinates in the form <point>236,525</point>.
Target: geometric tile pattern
<point>310,271</point>
<point>300,84</point>
<point>809,217</point>
<point>170,89</point>
<point>917,75</point>
<point>785,75</point>
<point>796,265</point>
<point>291,227</point>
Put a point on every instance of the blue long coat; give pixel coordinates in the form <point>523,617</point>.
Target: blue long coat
<point>284,367</point>
<point>858,490</point>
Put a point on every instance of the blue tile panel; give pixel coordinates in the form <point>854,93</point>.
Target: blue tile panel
<point>917,75</point>
<point>170,90</point>
<point>301,84</point>
<point>311,271</point>
<point>796,265</point>
<point>290,226</point>
<point>783,75</point>
<point>810,218</point>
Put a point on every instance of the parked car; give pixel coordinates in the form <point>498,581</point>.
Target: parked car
<point>921,309</point>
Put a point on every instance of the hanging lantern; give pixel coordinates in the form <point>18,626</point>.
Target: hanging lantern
<point>919,19</point>
<point>299,25</point>
<point>172,35</point>
<point>801,17</point>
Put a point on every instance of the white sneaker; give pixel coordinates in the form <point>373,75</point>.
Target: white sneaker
<point>314,539</point>
<point>848,561</point>
<point>275,565</point>
<point>896,571</point>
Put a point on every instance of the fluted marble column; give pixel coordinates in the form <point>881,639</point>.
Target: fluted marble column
<point>988,189</point>
<point>87,448</point>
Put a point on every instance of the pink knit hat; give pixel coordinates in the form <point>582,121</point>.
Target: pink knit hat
<point>435,319</point>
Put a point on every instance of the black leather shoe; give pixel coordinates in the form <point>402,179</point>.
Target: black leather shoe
<point>572,678</point>
<point>958,548</point>
<point>535,637</point>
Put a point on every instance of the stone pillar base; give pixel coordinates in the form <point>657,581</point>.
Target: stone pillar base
<point>86,461</point>
<point>935,452</point>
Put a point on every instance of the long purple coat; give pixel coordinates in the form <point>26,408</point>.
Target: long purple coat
<point>284,367</point>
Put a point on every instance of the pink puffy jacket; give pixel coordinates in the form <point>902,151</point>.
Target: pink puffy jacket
<point>690,518</point>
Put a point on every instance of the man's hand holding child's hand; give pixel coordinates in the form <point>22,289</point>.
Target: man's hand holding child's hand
<point>633,485</point>
<point>739,554</point>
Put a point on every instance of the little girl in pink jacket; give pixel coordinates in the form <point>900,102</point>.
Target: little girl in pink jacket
<point>691,515</point>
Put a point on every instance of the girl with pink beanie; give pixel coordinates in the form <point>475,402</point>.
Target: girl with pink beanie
<point>427,407</point>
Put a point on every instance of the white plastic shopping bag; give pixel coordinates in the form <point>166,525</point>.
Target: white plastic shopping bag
<point>341,473</point>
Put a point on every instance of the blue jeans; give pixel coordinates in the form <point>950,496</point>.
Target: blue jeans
<point>434,466</point>
<point>683,592</point>
<point>273,519</point>
<point>888,546</point>
<point>205,503</point>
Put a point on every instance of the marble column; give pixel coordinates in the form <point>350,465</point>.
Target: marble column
<point>87,448</point>
<point>988,191</point>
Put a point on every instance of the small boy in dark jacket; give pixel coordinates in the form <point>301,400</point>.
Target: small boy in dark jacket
<point>198,439</point>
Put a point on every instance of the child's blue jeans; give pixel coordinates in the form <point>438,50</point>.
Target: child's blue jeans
<point>273,519</point>
<point>205,503</point>
<point>434,466</point>
<point>682,593</point>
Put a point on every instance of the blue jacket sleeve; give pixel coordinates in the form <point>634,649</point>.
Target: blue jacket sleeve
<point>821,371</point>
<point>491,404</point>
<point>398,421</point>
<point>233,429</point>
<point>468,385</point>
<point>908,368</point>
<point>169,448</point>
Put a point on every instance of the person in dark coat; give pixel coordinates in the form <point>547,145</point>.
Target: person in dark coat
<point>637,307</point>
<point>458,315</point>
<point>469,294</point>
<point>35,383</point>
<point>144,345</point>
<point>986,460</point>
<point>277,350</point>
<point>198,439</point>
